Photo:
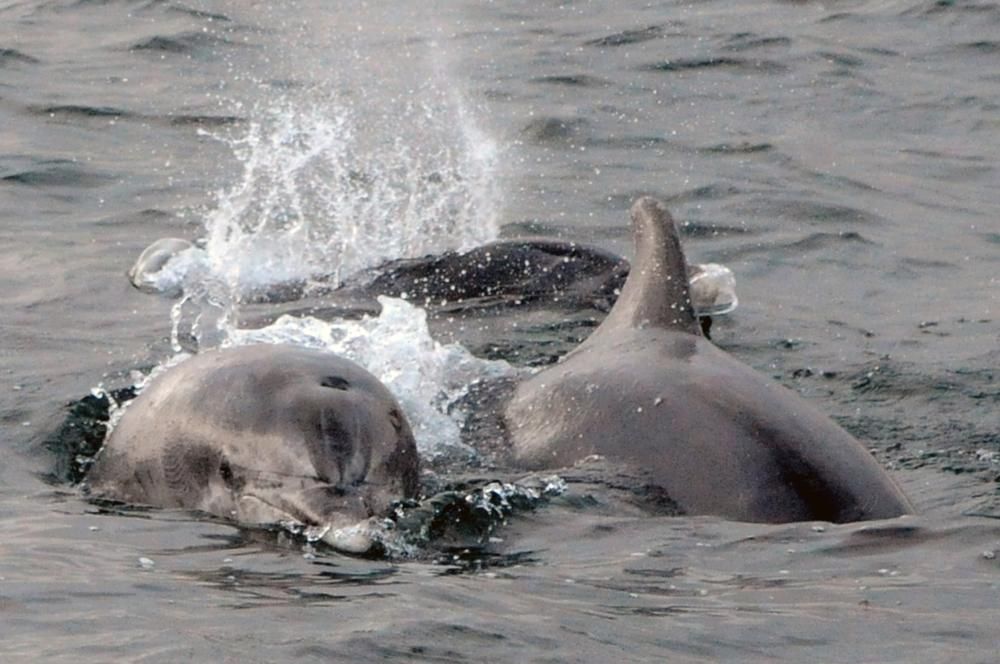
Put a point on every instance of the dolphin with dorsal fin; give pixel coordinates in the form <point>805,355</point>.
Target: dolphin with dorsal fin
<point>647,390</point>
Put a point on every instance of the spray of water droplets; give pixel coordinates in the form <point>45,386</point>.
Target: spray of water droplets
<point>327,190</point>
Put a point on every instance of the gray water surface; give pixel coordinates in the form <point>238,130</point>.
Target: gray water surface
<point>840,157</point>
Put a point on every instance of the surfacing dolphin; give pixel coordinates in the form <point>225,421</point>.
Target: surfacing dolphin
<point>646,389</point>
<point>264,434</point>
<point>548,271</point>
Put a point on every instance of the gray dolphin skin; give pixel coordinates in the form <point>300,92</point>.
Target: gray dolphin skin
<point>647,390</point>
<point>262,434</point>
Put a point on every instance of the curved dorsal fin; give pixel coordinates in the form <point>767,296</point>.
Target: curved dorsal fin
<point>656,293</point>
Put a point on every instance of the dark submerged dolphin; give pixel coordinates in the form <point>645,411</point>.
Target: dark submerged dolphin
<point>505,273</point>
<point>646,389</point>
<point>559,273</point>
<point>263,434</point>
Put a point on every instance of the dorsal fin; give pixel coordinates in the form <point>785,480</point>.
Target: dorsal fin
<point>656,293</point>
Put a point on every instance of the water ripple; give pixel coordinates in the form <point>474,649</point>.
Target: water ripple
<point>187,43</point>
<point>735,65</point>
<point>13,56</point>
<point>627,37</point>
<point>747,41</point>
<point>80,110</point>
<point>57,173</point>
<point>573,80</point>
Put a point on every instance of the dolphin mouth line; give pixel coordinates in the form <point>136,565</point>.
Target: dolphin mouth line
<point>302,514</point>
<point>280,507</point>
<point>260,473</point>
<point>349,535</point>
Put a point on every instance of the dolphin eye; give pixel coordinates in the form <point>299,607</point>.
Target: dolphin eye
<point>226,471</point>
<point>335,382</point>
<point>228,476</point>
<point>396,419</point>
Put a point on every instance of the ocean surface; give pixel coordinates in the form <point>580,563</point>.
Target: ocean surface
<point>841,157</point>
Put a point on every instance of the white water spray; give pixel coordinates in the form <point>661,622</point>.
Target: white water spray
<point>327,190</point>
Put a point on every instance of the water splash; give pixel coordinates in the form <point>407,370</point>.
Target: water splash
<point>332,183</point>
<point>328,189</point>
<point>426,377</point>
<point>466,517</point>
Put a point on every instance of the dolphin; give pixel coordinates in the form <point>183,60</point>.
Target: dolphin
<point>496,274</point>
<point>647,390</point>
<point>263,434</point>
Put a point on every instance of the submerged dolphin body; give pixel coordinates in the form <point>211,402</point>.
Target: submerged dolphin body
<point>504,272</point>
<point>646,389</point>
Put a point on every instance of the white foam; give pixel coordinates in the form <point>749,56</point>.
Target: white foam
<point>426,377</point>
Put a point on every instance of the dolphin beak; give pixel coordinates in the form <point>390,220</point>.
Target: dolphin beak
<point>345,520</point>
